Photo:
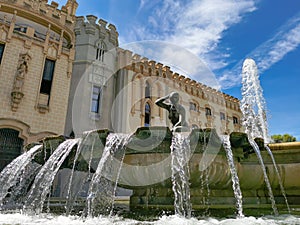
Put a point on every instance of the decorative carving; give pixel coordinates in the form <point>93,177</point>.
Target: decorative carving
<point>17,91</point>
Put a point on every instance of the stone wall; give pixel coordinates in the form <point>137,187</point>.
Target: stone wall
<point>29,36</point>
<point>94,66</point>
<point>137,71</point>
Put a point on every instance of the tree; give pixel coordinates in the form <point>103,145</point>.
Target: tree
<point>278,138</point>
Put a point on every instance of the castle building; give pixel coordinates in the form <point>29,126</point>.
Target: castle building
<point>36,55</point>
<point>62,74</point>
<point>116,89</point>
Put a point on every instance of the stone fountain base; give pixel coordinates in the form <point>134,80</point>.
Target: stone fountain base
<point>211,187</point>
<point>146,170</point>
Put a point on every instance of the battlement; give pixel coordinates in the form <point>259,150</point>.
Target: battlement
<point>139,64</point>
<point>90,24</point>
<point>64,17</point>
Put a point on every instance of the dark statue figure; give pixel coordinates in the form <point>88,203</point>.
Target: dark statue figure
<point>176,112</point>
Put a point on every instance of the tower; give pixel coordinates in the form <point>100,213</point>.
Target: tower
<point>93,79</point>
<point>36,52</point>
<point>71,7</point>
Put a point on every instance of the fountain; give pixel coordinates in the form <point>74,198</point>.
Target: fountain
<point>154,191</point>
<point>189,173</point>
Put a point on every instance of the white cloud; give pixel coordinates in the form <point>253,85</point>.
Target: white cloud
<point>142,4</point>
<point>272,51</point>
<point>202,24</point>
<point>267,54</point>
<point>195,25</point>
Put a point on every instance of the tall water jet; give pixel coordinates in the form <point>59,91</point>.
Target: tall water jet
<point>254,115</point>
<point>253,105</point>
<point>180,152</point>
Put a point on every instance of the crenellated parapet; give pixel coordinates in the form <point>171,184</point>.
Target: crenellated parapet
<point>143,65</point>
<point>91,25</point>
<point>146,67</point>
<point>38,23</point>
<point>64,16</point>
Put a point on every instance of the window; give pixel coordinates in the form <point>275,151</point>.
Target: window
<point>96,97</point>
<point>193,106</point>
<point>47,77</point>
<point>222,116</point>
<point>147,90</point>
<point>235,120</point>
<point>101,49</point>
<point>1,51</point>
<point>147,115</point>
<point>207,111</point>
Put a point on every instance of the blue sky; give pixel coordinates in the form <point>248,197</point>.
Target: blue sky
<point>222,33</point>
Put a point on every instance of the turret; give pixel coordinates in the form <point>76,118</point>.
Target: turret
<point>71,7</point>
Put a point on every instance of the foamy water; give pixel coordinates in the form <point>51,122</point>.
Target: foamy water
<point>48,219</point>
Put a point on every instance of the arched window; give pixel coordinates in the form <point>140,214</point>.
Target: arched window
<point>147,90</point>
<point>235,120</point>
<point>101,49</point>
<point>147,115</point>
<point>193,106</point>
<point>207,111</point>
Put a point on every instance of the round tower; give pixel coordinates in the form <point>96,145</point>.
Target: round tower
<point>36,56</point>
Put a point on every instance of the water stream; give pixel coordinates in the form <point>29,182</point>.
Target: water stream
<point>101,192</point>
<point>253,107</point>
<point>234,176</point>
<point>260,159</point>
<point>180,152</point>
<point>278,177</point>
<point>76,183</point>
<point>43,181</point>
<point>15,171</point>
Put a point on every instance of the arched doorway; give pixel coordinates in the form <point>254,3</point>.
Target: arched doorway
<point>10,146</point>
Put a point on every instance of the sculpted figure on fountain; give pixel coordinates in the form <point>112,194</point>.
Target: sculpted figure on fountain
<point>176,112</point>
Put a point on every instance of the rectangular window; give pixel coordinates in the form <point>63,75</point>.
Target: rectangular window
<point>1,51</point>
<point>222,116</point>
<point>96,97</point>
<point>47,77</point>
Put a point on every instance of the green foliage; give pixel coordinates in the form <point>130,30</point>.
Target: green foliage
<point>278,138</point>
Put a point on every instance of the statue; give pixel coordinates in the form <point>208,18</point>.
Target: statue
<point>21,72</point>
<point>17,90</point>
<point>176,112</point>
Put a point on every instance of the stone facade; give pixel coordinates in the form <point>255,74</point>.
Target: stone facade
<point>144,81</point>
<point>32,34</point>
<point>93,81</point>
<point>131,83</point>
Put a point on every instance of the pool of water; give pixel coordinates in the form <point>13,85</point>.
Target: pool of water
<point>50,219</point>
